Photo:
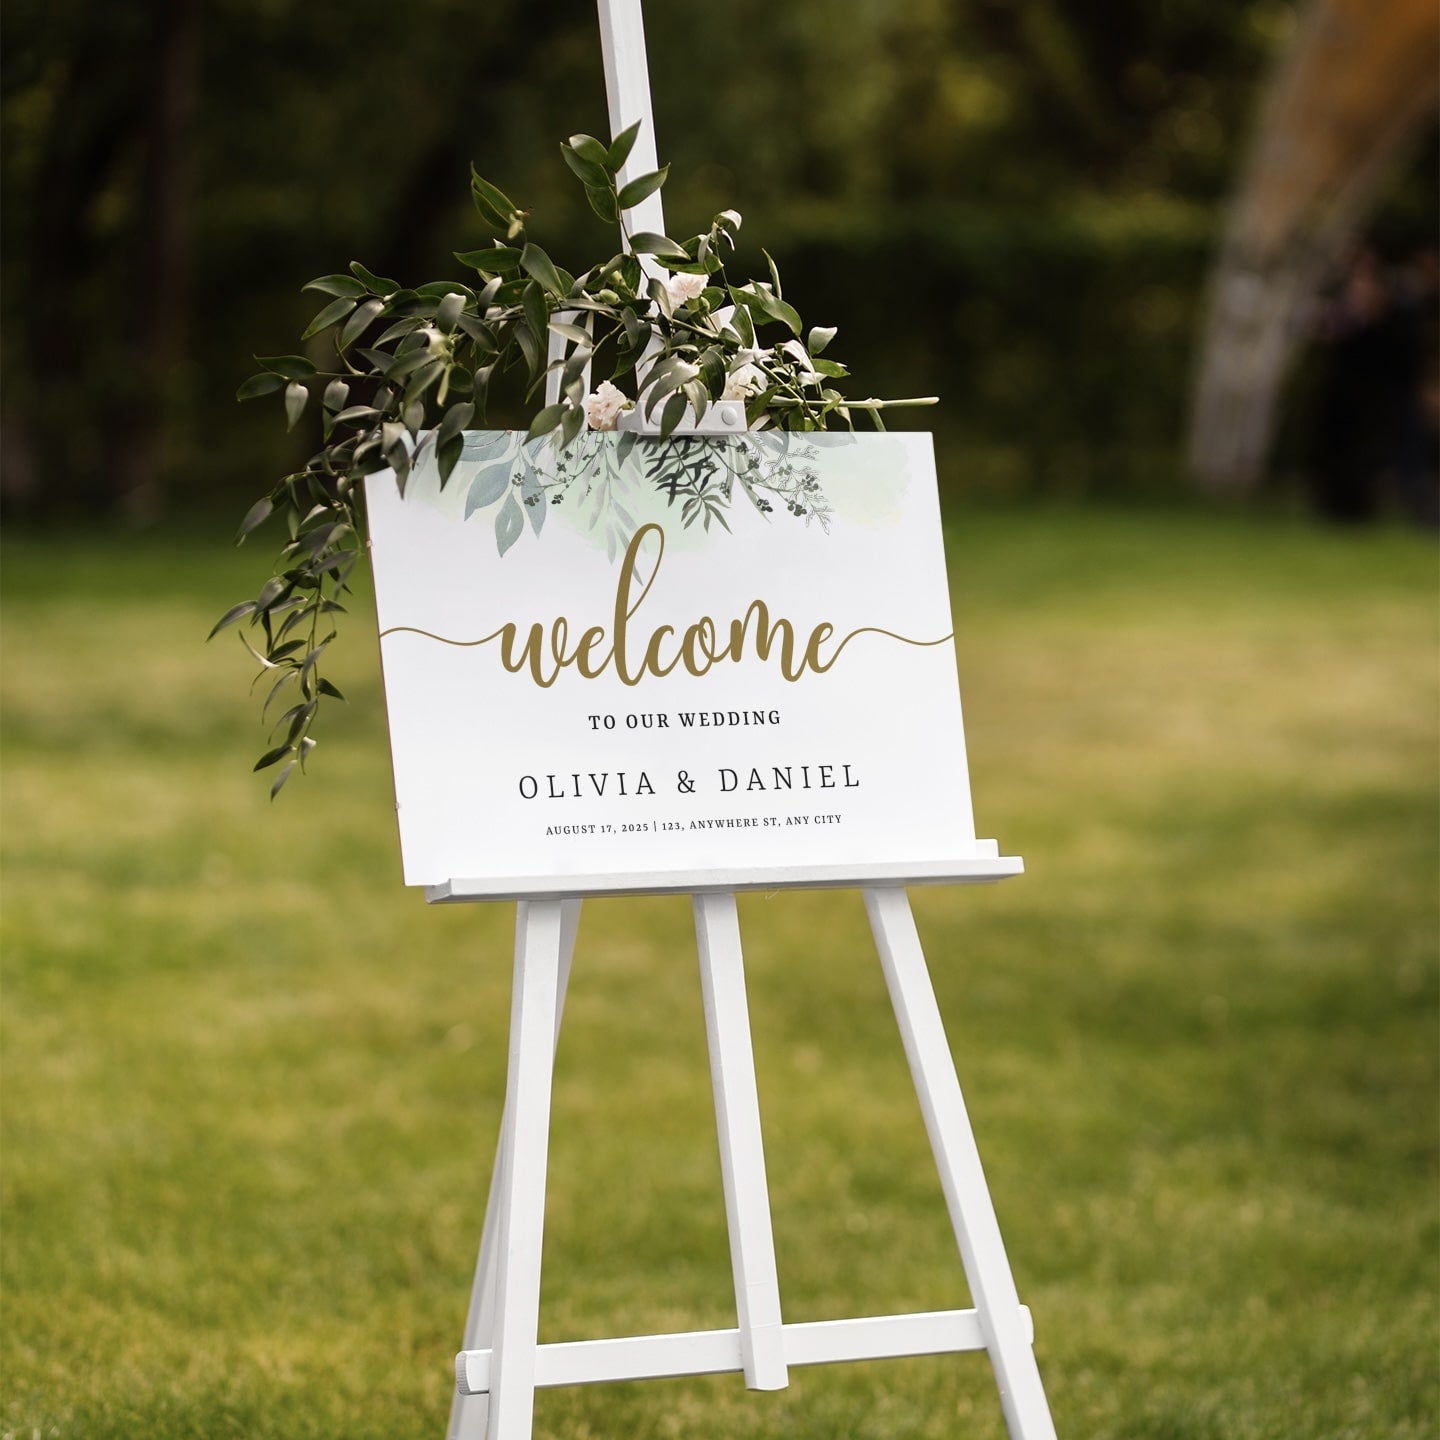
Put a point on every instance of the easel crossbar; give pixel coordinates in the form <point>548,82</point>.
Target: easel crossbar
<point>716,1352</point>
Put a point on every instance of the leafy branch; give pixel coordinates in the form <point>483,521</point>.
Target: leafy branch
<point>413,368</point>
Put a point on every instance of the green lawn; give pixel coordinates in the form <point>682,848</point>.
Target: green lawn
<point>251,1085</point>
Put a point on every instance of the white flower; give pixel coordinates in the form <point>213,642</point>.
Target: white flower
<point>743,382</point>
<point>683,288</point>
<point>604,404</point>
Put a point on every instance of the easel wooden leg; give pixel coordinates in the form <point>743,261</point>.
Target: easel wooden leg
<point>544,948</point>
<point>742,1155</point>
<point>972,1213</point>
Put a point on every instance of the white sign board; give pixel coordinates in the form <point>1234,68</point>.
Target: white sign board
<point>636,660</point>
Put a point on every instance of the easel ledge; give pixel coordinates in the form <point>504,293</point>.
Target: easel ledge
<point>984,867</point>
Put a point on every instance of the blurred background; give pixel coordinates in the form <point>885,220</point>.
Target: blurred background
<point>1170,264</point>
<point>1021,205</point>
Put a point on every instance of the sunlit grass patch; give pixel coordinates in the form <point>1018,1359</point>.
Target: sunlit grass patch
<point>251,1086</point>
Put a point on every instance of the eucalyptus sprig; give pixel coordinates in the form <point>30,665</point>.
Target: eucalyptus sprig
<point>411,369</point>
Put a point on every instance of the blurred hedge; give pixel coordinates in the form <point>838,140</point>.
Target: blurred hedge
<point>1011,205</point>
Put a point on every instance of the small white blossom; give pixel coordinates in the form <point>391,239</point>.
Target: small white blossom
<point>604,404</point>
<point>683,288</point>
<point>743,382</point>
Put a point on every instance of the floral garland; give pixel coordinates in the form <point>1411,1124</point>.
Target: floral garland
<point>410,372</point>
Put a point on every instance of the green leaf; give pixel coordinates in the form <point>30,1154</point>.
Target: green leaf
<point>363,315</point>
<point>574,333</point>
<point>447,456</point>
<point>494,205</point>
<point>530,346</point>
<point>699,398</point>
<point>406,325</point>
<point>337,392</point>
<point>630,273</point>
<point>537,313</point>
<point>368,459</point>
<point>399,366</point>
<point>712,370</point>
<point>497,260</point>
<point>666,375</point>
<point>335,310</point>
<point>294,713</point>
<point>271,757</point>
<point>575,365</point>
<point>647,243</point>
<point>637,332</point>
<point>538,265</point>
<point>345,285</point>
<point>257,515</point>
<point>602,202</point>
<point>380,360</point>
<point>377,283</point>
<point>358,415</point>
<point>326,688</point>
<point>281,778</point>
<point>588,171</point>
<point>672,414</point>
<point>257,385</point>
<point>457,417</point>
<point>545,422</point>
<point>757,406</point>
<point>482,389</point>
<point>753,298</point>
<point>646,185</point>
<point>570,427</point>
<point>234,613</point>
<point>774,275</point>
<point>487,487</point>
<point>832,368</point>
<point>270,592</point>
<point>820,337</point>
<point>480,333</point>
<point>621,146</point>
<point>588,148</point>
<point>509,523</point>
<point>285,679</point>
<point>392,439</point>
<point>292,367</point>
<point>296,396</point>
<point>449,312</point>
<point>439,289</point>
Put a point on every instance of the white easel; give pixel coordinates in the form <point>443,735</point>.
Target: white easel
<point>501,1364</point>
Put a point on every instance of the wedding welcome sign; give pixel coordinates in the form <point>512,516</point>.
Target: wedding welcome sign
<point>631,661</point>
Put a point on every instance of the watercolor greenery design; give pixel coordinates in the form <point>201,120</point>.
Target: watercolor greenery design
<point>512,479</point>
<point>394,373</point>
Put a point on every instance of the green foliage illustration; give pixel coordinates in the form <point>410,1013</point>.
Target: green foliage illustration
<point>510,478</point>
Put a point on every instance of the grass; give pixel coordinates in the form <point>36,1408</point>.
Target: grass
<point>251,1086</point>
